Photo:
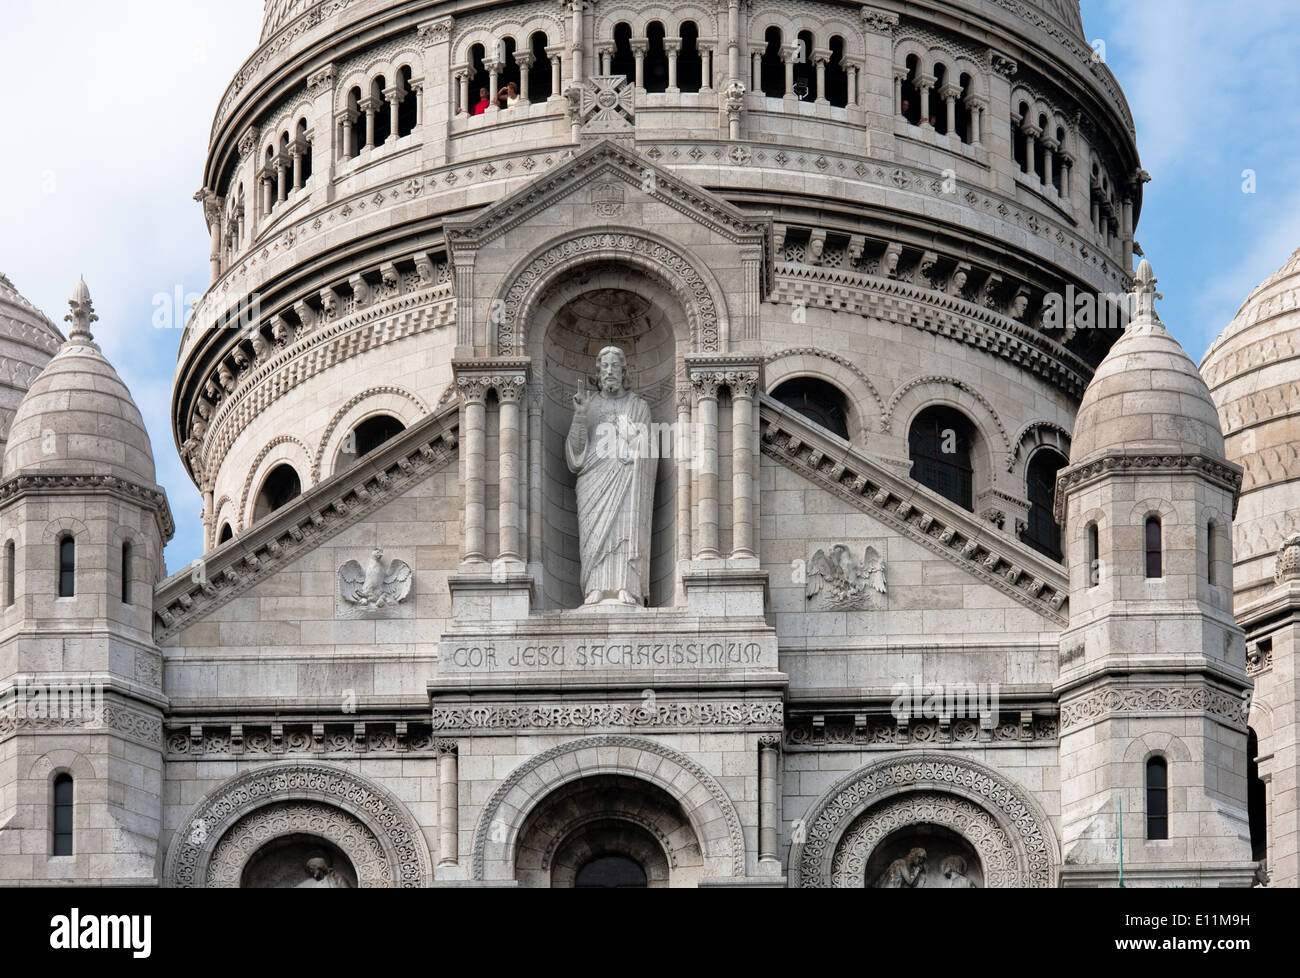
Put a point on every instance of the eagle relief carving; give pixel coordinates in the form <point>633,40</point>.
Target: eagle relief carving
<point>378,586</point>
<point>838,581</point>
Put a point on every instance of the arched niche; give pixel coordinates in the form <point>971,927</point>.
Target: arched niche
<point>605,303</point>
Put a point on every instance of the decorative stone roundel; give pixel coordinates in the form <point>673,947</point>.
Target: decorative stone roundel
<point>272,822</point>
<point>959,794</point>
<point>339,806</point>
<point>659,260</point>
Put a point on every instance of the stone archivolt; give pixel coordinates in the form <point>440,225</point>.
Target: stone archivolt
<point>666,714</point>
<point>1195,699</point>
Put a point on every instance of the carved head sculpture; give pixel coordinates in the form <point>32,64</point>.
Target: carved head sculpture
<point>953,866</point>
<point>916,860</point>
<point>318,867</point>
<point>612,364</point>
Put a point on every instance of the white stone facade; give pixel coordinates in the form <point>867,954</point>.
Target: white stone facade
<point>806,281</point>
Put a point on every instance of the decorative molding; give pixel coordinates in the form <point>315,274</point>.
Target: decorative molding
<point>259,738</point>
<point>1223,474</point>
<point>585,716</point>
<point>813,351</point>
<point>1199,698</point>
<point>147,496</point>
<point>861,731</point>
<point>189,859</point>
<point>832,815</point>
<point>1288,563</point>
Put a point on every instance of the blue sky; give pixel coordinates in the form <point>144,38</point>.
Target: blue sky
<point>102,156</point>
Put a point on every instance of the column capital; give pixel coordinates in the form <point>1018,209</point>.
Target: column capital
<point>394,94</point>
<point>436,31</point>
<point>1031,130</point>
<point>525,59</point>
<point>925,82</point>
<point>949,90</point>
<point>706,383</point>
<point>1002,64</point>
<point>769,742</point>
<point>976,102</point>
<point>639,45</point>
<point>821,56</point>
<point>369,104</point>
<point>672,45</point>
<point>322,79</point>
<point>510,389</point>
<point>446,746</point>
<point>788,51</point>
<point>473,390</point>
<point>1051,144</point>
<point>554,51</point>
<point>878,21</point>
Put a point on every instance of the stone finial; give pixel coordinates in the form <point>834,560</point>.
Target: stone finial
<point>1288,561</point>
<point>82,314</point>
<point>1145,294</point>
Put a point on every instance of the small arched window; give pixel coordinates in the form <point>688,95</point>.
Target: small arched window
<point>226,534</point>
<point>965,130</point>
<point>366,437</point>
<point>938,106</point>
<point>818,401</point>
<point>62,822</point>
<point>383,117</point>
<point>771,69</point>
<point>1256,798</point>
<point>67,567</point>
<point>656,59</point>
<point>1157,798</point>
<point>837,79</point>
<point>358,124</point>
<point>539,75</point>
<point>624,61</point>
<point>126,573</point>
<point>1092,549</point>
<point>805,74</point>
<point>690,63</point>
<point>939,444</point>
<point>279,487</point>
<point>305,146</point>
<point>1154,548</point>
<point>1211,553</point>
<point>1042,532</point>
<point>11,573</point>
<point>909,106</point>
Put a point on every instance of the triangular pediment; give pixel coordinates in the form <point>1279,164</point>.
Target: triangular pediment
<point>611,164</point>
<point>306,523</point>
<point>909,510</point>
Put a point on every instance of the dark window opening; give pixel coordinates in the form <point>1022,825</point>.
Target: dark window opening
<point>63,815</point>
<point>1256,799</point>
<point>910,98</point>
<point>656,59</point>
<point>805,72</point>
<point>1157,798</point>
<point>11,573</point>
<point>1040,158</point>
<point>611,872</point>
<point>126,573</point>
<point>963,110</point>
<point>624,61</point>
<point>1019,139</point>
<point>306,156</point>
<point>837,79</point>
<point>383,118</point>
<point>1211,554</point>
<point>819,402</point>
<point>67,567</point>
<point>408,111</point>
<point>940,444</point>
<point>281,486</point>
<point>1093,555</point>
<point>1043,533</point>
<point>539,75</point>
<point>771,69</point>
<point>226,534</point>
<point>690,63</point>
<point>358,122</point>
<point>1155,563</point>
<point>479,81</point>
<point>938,104</point>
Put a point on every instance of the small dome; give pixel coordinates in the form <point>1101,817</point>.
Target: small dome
<point>78,418</point>
<point>1147,397</point>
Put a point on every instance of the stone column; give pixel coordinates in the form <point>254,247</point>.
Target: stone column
<point>606,53</point>
<point>394,97</point>
<point>576,69</point>
<point>950,94</point>
<point>556,53</point>
<point>788,52</point>
<point>298,150</point>
<point>1067,164</point>
<point>525,61</point>
<point>268,191</point>
<point>1049,150</point>
<point>510,392</point>
<point>706,479</point>
<point>370,105</point>
<point>706,68</point>
<point>743,385</point>
<point>1031,150</point>
<point>345,119</point>
<point>769,798</point>
<point>820,57</point>
<point>756,72</point>
<point>671,46</point>
<point>494,73</point>
<point>448,804</point>
<point>975,106</point>
<point>1126,229</point>
<point>923,85</point>
<point>534,477</point>
<point>462,77</point>
<point>853,85</point>
<point>683,447</point>
<point>733,39</point>
<point>281,178</point>
<point>473,420</point>
<point>639,46</point>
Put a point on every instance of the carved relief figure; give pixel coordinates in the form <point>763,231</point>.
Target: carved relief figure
<point>322,876</point>
<point>904,874</point>
<point>953,871</point>
<point>379,585</point>
<point>608,449</point>
<point>838,581</point>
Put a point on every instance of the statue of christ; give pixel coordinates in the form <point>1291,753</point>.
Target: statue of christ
<point>609,449</point>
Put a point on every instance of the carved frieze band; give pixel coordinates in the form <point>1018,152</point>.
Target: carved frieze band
<point>1153,700</point>
<point>1225,474</point>
<point>586,716</point>
<point>886,731</point>
<point>274,739</point>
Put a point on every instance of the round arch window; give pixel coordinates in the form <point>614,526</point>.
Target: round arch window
<point>820,402</point>
<point>940,445</point>
<point>611,872</point>
<point>366,437</point>
<point>278,488</point>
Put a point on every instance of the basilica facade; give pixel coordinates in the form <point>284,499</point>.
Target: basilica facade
<point>720,444</point>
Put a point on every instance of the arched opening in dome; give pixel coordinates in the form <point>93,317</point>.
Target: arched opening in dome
<point>690,64</point>
<point>938,104</point>
<point>909,95</point>
<point>1020,138</point>
<point>965,129</point>
<point>611,872</point>
<point>365,438</point>
<point>805,74</point>
<point>624,61</point>
<point>1040,158</point>
<point>1256,799</point>
<point>227,533</point>
<point>303,144</point>
<point>479,81</point>
<point>837,79</point>
<point>1042,532</point>
<point>508,74</point>
<point>358,123</point>
<point>940,443</point>
<point>656,59</point>
<point>67,567</point>
<point>820,402</point>
<point>286,154</point>
<point>539,75</point>
<point>383,118</point>
<point>771,70</point>
<point>408,110</point>
<point>280,486</point>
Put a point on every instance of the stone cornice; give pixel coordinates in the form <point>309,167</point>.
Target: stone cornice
<point>304,524</point>
<point>1225,475</point>
<point>923,517</point>
<point>150,497</point>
